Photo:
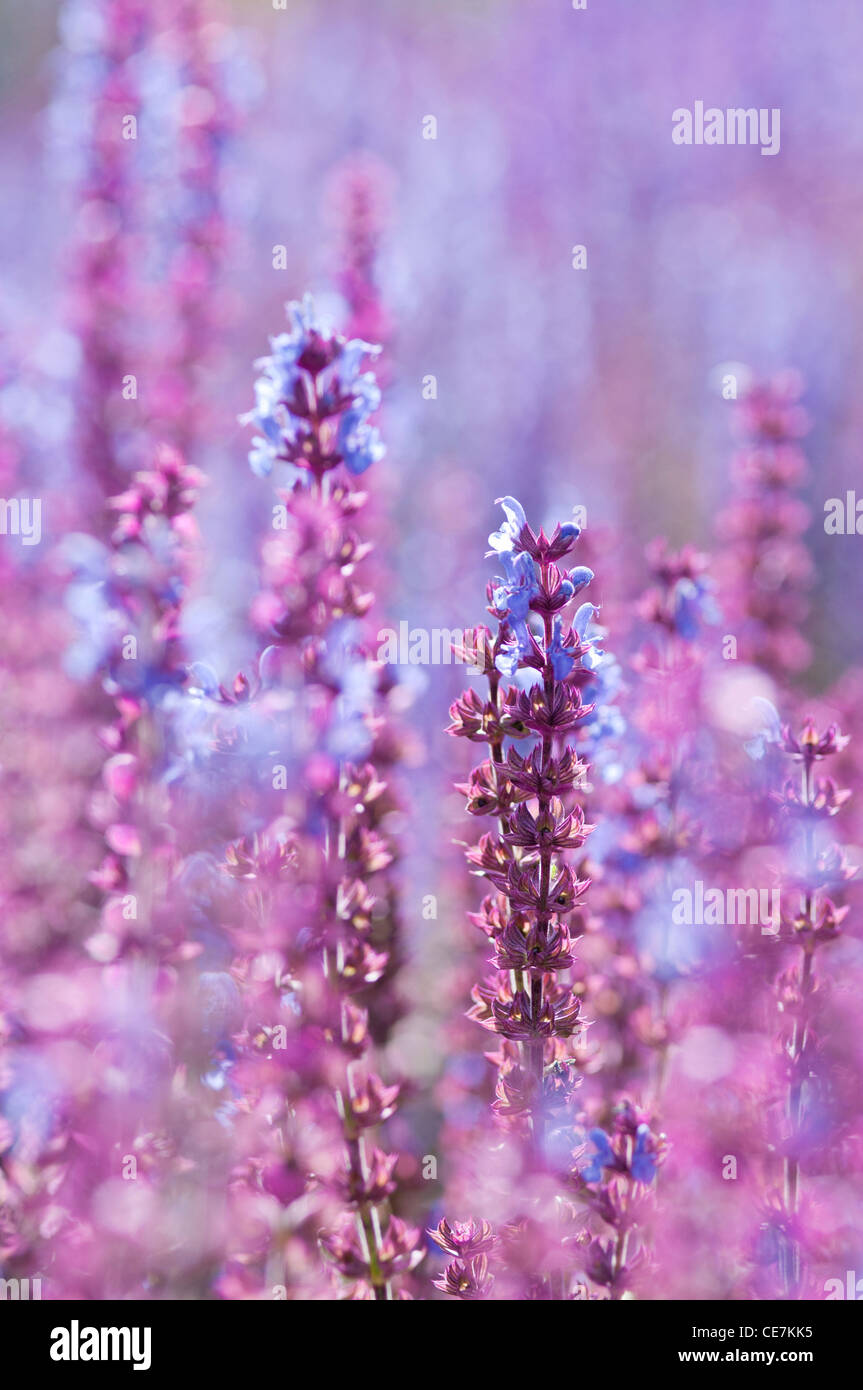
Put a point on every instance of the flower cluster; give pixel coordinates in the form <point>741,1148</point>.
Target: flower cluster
<point>360,203</point>
<point>613,1179</point>
<point>818,868</point>
<point>534,666</point>
<point>101,105</point>
<point>191,75</point>
<point>312,401</point>
<point>766,568</point>
<point>130,595</point>
<point>340,848</point>
<point>469,1243</point>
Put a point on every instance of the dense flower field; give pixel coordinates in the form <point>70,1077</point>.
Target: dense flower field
<point>431,761</point>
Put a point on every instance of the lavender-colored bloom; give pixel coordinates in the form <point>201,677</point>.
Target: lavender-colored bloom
<point>349,735</point>
<point>584,616</point>
<point>580,577</point>
<point>604,727</point>
<point>512,598</point>
<point>694,606</point>
<point>508,659</point>
<point>503,540</point>
<point>769,731</point>
<point>562,661</point>
<point>602,1158</point>
<point>643,1164</point>
<point>359,442</point>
